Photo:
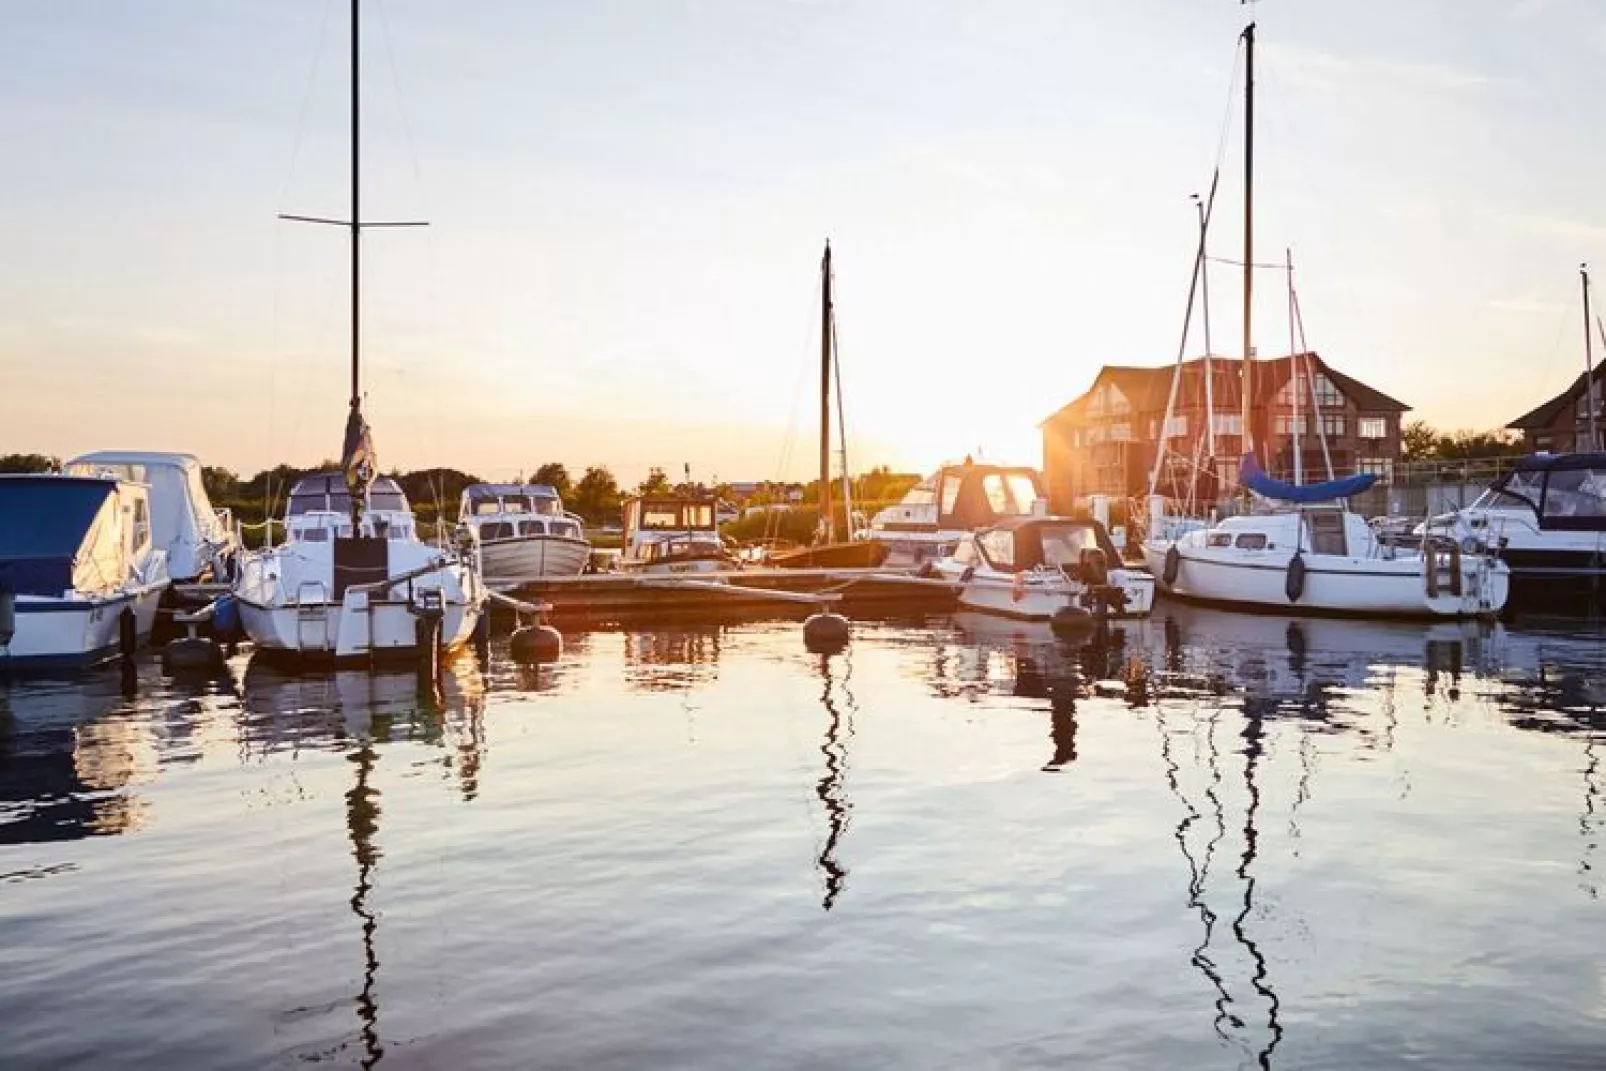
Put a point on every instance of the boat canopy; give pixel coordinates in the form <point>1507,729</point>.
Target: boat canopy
<point>1254,477</point>
<point>1567,492</point>
<point>182,517</point>
<point>326,491</point>
<point>481,499</point>
<point>973,495</point>
<point>63,533</point>
<point>1021,543</point>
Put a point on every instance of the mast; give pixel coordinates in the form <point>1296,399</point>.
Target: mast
<point>1249,229</point>
<point>1294,361</point>
<point>827,527</point>
<point>1204,298</point>
<point>356,213</point>
<point>1589,363</point>
<point>842,434</point>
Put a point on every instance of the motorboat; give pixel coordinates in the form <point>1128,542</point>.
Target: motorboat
<point>523,532</point>
<point>81,576</point>
<point>952,502</point>
<point>201,542</point>
<point>1322,558</point>
<point>337,592</point>
<point>673,534</point>
<point>1546,519</point>
<point>353,582</point>
<point>1037,567</point>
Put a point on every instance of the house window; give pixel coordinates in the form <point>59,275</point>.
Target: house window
<point>1381,467</point>
<point>1108,399</point>
<point>1227,423</point>
<point>1327,395</point>
<point>1373,428</point>
<point>1291,425</point>
<point>1120,433</point>
<point>1333,426</point>
<point>1176,427</point>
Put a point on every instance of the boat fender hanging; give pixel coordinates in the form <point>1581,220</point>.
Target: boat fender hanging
<point>8,614</point>
<point>1173,565</point>
<point>970,571</point>
<point>1294,585</point>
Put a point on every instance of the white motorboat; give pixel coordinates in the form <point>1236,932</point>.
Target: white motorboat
<point>1546,519</point>
<point>673,534</point>
<point>80,575</point>
<point>524,533</point>
<point>1034,568</point>
<point>200,541</point>
<point>951,503</point>
<point>1325,559</point>
<point>335,592</point>
<point>353,582</point>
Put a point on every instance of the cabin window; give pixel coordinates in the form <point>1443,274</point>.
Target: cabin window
<point>1064,546</point>
<point>565,528</point>
<point>314,535</point>
<point>1579,493</point>
<point>544,507</point>
<point>1373,428</point>
<point>515,505</point>
<point>1219,539</point>
<point>965,552</point>
<point>486,506</point>
<point>529,528</point>
<point>660,518</point>
<point>999,546</point>
<point>699,516</point>
<point>390,501</point>
<point>1024,490</point>
<point>1251,541</point>
<point>496,530</point>
<point>993,486</point>
<point>142,525</point>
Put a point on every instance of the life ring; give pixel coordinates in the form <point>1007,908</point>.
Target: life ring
<point>1294,585</point>
<point>1173,565</point>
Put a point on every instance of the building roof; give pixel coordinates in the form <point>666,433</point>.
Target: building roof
<point>1148,389</point>
<point>1545,415</point>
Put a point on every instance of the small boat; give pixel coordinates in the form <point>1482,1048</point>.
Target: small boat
<point>524,533</point>
<point>80,575</point>
<point>854,550</point>
<point>952,502</point>
<point>1546,519</point>
<point>200,541</point>
<point>1034,568</point>
<point>673,534</point>
<point>354,584</point>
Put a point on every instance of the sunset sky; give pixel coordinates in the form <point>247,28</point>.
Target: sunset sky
<point>628,201</point>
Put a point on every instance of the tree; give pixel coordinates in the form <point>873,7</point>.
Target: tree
<point>1418,441</point>
<point>596,496</point>
<point>29,463</point>
<point>219,482</point>
<point>656,483</point>
<point>1465,443</point>
<point>554,474</point>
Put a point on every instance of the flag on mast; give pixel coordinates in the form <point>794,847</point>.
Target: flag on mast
<point>357,458</point>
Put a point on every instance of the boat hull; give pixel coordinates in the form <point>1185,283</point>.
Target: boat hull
<point>857,554</point>
<point>75,633</point>
<point>351,631</point>
<point>1039,599</point>
<point>1367,587</point>
<point>507,563</point>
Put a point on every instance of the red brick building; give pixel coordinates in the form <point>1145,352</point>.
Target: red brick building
<point>1561,425</point>
<point>1105,442</point>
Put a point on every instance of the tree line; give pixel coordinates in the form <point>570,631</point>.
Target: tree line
<point>1419,441</point>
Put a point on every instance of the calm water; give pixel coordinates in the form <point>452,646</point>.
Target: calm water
<point>1213,841</point>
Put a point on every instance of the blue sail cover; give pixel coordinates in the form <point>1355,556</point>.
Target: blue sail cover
<point>1252,476</point>
<point>43,523</point>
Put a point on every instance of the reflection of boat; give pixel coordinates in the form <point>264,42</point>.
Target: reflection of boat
<point>1035,567</point>
<point>953,501</point>
<point>78,569</point>
<point>853,550</point>
<point>669,534</point>
<point>524,533</point>
<point>672,659</point>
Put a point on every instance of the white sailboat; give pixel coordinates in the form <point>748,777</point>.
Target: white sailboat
<point>1304,551</point>
<point>353,580</point>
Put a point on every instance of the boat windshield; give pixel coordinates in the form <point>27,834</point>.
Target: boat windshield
<point>676,516</point>
<point>380,500</point>
<point>1009,494</point>
<point>1064,546</point>
<point>1576,493</point>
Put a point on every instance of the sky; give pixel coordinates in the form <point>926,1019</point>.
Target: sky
<point>628,200</point>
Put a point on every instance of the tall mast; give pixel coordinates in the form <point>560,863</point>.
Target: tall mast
<point>1589,363</point>
<point>827,525</point>
<point>356,213</point>
<point>1295,359</point>
<point>1204,298</point>
<point>1249,228</point>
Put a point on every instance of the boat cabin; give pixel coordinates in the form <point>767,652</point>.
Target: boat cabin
<point>62,536</point>
<point>198,538</point>
<point>517,510</point>
<point>319,510</point>
<point>1567,492</point>
<point>963,498</point>
<point>1329,530</point>
<point>670,527</point>
<point>1020,544</point>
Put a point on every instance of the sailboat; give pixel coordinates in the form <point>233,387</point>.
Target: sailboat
<point>353,581</point>
<point>827,551</point>
<point>1304,551</point>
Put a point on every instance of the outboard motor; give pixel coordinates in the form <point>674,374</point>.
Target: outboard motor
<point>1092,567</point>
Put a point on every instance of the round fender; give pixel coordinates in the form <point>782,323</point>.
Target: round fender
<point>1173,565</point>
<point>1294,586</point>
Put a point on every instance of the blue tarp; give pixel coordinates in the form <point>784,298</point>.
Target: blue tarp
<point>1254,477</point>
<point>43,522</point>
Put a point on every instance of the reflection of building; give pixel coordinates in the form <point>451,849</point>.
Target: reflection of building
<point>672,659</point>
<point>1561,425</point>
<point>1105,441</point>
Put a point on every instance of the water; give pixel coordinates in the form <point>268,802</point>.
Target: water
<point>1212,841</point>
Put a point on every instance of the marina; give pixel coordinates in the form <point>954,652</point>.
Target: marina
<point>1227,715</point>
